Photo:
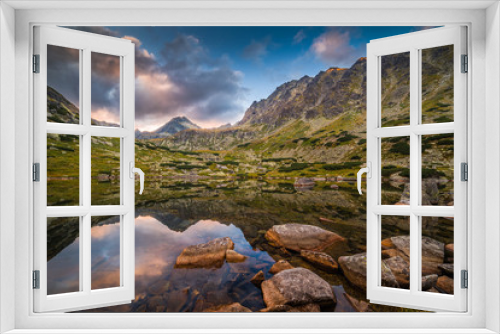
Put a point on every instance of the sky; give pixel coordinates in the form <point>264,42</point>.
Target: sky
<point>209,74</point>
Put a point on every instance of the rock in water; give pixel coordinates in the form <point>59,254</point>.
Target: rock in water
<point>287,308</point>
<point>208,255</point>
<point>429,281</point>
<point>358,305</point>
<point>296,287</point>
<point>280,266</point>
<point>234,257</point>
<point>400,269</point>
<point>258,279</point>
<point>235,307</point>
<point>354,268</point>
<point>321,260</point>
<point>445,284</point>
<point>299,237</point>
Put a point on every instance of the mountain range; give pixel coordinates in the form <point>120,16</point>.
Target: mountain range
<point>170,128</point>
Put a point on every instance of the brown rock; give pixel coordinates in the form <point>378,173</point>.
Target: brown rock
<point>280,266</point>
<point>447,269</point>
<point>433,290</point>
<point>429,281</point>
<point>235,307</point>
<point>387,244</point>
<point>258,279</point>
<point>354,269</point>
<point>432,253</point>
<point>299,237</point>
<point>207,255</point>
<point>234,257</point>
<point>287,308</point>
<point>321,260</point>
<point>400,269</point>
<point>445,285</point>
<point>389,253</point>
<point>296,287</point>
<point>358,305</point>
<point>449,250</point>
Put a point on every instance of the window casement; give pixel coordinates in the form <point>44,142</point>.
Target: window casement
<point>83,134</point>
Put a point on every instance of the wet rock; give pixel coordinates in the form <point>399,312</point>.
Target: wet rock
<point>429,281</point>
<point>235,307</point>
<point>299,237</point>
<point>343,304</point>
<point>445,285</point>
<point>296,287</point>
<point>447,269</point>
<point>449,250</point>
<point>358,305</point>
<point>288,308</point>
<point>280,266</point>
<point>354,269</point>
<point>207,255</point>
<point>400,269</point>
<point>234,257</point>
<point>258,279</point>
<point>320,260</point>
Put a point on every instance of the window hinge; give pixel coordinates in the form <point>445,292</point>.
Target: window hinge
<point>36,279</point>
<point>465,63</point>
<point>465,279</point>
<point>36,63</point>
<point>464,171</point>
<point>36,172</point>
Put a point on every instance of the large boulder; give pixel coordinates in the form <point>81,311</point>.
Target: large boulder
<point>299,237</point>
<point>354,269</point>
<point>296,287</point>
<point>432,253</point>
<point>207,255</point>
<point>320,260</point>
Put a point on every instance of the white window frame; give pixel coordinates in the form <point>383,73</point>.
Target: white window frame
<point>482,315</point>
<point>85,43</point>
<point>414,43</point>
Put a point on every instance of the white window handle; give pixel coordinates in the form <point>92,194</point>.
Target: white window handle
<point>134,170</point>
<point>368,171</point>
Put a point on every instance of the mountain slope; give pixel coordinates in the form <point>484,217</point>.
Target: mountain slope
<point>170,128</point>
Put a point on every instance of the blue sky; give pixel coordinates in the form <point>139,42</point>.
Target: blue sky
<point>212,74</point>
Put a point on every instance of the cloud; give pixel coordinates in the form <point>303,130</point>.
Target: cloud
<point>182,79</point>
<point>299,36</point>
<point>334,47</point>
<point>256,50</point>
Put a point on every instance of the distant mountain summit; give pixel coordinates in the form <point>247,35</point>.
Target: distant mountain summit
<point>176,124</point>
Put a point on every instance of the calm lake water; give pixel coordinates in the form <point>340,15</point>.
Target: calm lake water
<point>173,216</point>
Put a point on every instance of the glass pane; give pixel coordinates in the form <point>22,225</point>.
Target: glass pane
<point>437,254</point>
<point>105,248</point>
<point>395,271</point>
<point>105,81</point>
<point>395,89</point>
<point>395,165</point>
<point>63,170</point>
<point>437,84</point>
<point>63,85</point>
<point>105,152</point>
<point>437,169</point>
<point>63,255</point>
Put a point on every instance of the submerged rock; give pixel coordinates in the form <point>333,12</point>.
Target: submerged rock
<point>280,266</point>
<point>258,279</point>
<point>207,255</point>
<point>299,237</point>
<point>235,307</point>
<point>234,257</point>
<point>358,305</point>
<point>296,287</point>
<point>321,260</point>
<point>354,269</point>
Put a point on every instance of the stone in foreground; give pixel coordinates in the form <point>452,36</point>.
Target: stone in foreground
<point>320,260</point>
<point>299,237</point>
<point>297,287</point>
<point>207,255</point>
<point>235,307</point>
<point>280,266</point>
<point>258,279</point>
<point>400,269</point>
<point>354,269</point>
<point>445,285</point>
<point>234,257</point>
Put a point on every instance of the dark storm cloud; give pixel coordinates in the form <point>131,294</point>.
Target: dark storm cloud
<point>63,71</point>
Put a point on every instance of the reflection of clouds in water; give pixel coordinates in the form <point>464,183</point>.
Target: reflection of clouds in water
<point>105,250</point>
<point>63,270</point>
